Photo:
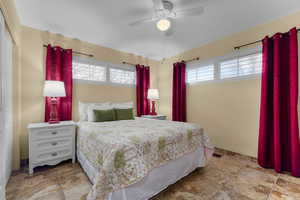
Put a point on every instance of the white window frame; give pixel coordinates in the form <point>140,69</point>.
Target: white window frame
<point>108,66</point>
<point>91,81</point>
<point>131,69</point>
<point>216,63</point>
<point>195,65</point>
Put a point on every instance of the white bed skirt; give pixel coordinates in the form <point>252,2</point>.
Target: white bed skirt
<point>156,181</point>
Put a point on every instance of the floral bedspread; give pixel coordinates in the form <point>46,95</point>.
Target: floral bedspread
<point>126,151</point>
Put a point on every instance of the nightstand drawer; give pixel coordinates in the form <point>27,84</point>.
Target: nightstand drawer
<point>42,145</point>
<point>50,144</point>
<point>46,133</point>
<point>40,157</point>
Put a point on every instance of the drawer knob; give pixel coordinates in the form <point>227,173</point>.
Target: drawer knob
<point>54,154</point>
<point>54,133</point>
<point>54,143</point>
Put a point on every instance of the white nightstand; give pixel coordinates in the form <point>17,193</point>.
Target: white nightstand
<point>49,144</point>
<point>159,117</point>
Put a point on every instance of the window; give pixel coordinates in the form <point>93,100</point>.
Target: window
<point>199,74</point>
<point>229,69</point>
<point>222,68</point>
<point>93,71</point>
<point>243,66</point>
<point>82,71</point>
<point>122,76</point>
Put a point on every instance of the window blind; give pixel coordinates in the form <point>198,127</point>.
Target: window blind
<point>243,66</point>
<point>82,71</point>
<point>226,67</point>
<point>93,71</point>
<point>122,76</point>
<point>199,74</point>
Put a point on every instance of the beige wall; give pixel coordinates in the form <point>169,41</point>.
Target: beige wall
<point>32,77</point>
<point>228,110</point>
<point>12,20</point>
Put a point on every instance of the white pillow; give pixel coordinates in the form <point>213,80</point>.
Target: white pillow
<point>91,108</point>
<point>83,109</point>
<point>125,105</point>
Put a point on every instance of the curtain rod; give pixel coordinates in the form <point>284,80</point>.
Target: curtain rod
<point>76,52</point>
<point>128,63</point>
<point>244,45</point>
<point>191,60</point>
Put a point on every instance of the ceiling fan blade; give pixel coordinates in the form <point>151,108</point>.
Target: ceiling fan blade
<point>171,30</point>
<point>158,5</point>
<point>142,21</point>
<point>189,12</point>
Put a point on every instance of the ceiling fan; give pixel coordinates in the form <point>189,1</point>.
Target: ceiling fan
<point>164,15</point>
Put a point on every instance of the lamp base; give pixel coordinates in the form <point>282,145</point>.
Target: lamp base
<point>152,112</point>
<point>54,122</point>
<point>53,117</point>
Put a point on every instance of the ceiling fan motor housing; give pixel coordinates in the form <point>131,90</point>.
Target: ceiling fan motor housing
<point>168,5</point>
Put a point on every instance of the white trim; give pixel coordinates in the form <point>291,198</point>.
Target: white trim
<point>114,83</point>
<point>247,77</point>
<point>2,192</point>
<point>216,62</point>
<point>80,81</point>
<point>6,131</point>
<point>108,66</point>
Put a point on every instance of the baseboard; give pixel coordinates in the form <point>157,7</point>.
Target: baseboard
<point>2,192</point>
<point>24,162</point>
<point>219,152</point>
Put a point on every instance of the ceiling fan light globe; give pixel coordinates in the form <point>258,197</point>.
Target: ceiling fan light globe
<point>163,24</point>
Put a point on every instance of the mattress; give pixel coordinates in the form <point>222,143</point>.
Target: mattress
<point>120,154</point>
<point>156,181</point>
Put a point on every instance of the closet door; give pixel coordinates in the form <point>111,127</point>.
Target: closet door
<point>2,142</point>
<point>6,129</point>
<point>7,102</point>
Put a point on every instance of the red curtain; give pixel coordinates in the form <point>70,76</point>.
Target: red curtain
<point>142,86</point>
<point>279,146</point>
<point>179,92</point>
<point>59,67</point>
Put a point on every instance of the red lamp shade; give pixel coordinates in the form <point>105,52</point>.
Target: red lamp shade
<point>54,89</point>
<point>153,95</point>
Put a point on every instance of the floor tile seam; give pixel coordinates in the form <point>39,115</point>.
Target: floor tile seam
<point>273,186</point>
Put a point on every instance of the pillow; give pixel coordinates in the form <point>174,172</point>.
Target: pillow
<point>104,115</point>
<point>125,105</point>
<point>91,108</point>
<point>124,114</point>
<point>83,108</point>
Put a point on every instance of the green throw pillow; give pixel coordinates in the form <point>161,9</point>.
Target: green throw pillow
<point>104,115</point>
<point>124,114</point>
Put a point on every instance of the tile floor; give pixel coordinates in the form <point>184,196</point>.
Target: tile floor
<point>230,177</point>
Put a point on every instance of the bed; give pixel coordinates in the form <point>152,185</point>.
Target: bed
<point>137,159</point>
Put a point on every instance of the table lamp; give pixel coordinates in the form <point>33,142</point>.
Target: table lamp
<point>153,95</point>
<point>54,89</point>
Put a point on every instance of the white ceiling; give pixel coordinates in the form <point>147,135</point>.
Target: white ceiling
<point>105,22</point>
